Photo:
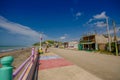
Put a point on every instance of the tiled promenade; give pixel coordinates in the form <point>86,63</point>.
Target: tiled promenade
<point>54,67</point>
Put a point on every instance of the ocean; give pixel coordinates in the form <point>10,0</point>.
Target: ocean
<point>10,48</point>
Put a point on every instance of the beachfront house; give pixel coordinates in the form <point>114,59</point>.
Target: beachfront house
<point>73,44</point>
<point>94,42</point>
<point>65,44</point>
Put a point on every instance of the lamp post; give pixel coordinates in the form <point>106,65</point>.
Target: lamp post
<point>40,39</point>
<point>108,32</point>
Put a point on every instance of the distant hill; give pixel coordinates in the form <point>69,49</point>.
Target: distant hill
<point>49,42</point>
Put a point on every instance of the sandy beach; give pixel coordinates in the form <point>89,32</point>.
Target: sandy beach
<point>19,56</point>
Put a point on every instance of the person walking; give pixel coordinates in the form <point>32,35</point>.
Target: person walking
<point>40,51</point>
<point>46,48</point>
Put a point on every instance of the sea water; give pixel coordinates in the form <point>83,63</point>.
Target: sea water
<point>10,48</point>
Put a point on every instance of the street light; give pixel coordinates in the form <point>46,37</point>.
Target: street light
<point>108,32</point>
<point>40,40</point>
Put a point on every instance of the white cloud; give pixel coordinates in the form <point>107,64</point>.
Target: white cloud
<point>100,16</point>
<point>100,24</point>
<point>96,17</point>
<point>90,20</point>
<point>16,28</point>
<point>78,14</point>
<point>75,14</point>
<point>18,34</point>
<point>63,37</point>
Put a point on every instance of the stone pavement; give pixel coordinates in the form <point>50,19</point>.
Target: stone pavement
<point>54,67</point>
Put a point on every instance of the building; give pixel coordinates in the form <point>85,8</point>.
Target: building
<point>94,42</point>
<point>65,44</point>
<point>73,44</point>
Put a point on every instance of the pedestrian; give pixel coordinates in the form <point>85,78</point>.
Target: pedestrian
<point>40,51</point>
<point>46,49</point>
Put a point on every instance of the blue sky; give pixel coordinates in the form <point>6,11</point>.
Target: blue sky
<point>21,21</point>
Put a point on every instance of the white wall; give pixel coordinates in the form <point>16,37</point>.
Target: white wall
<point>73,44</point>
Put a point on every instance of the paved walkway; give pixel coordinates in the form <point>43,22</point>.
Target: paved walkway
<point>106,67</point>
<point>54,67</point>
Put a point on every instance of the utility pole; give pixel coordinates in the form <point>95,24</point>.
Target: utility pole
<point>115,38</point>
<point>108,32</point>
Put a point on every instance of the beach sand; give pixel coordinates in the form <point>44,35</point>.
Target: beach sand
<point>19,56</point>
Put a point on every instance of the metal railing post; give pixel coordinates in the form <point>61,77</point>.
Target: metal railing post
<point>33,52</point>
<point>7,70</point>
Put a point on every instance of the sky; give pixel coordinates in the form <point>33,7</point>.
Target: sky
<point>22,21</point>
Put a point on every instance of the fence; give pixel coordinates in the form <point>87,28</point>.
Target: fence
<point>29,68</point>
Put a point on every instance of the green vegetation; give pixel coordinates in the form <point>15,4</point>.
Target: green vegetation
<point>113,50</point>
<point>49,42</point>
<point>38,43</point>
